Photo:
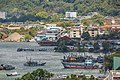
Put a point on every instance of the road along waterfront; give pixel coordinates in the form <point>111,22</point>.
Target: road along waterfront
<point>9,55</point>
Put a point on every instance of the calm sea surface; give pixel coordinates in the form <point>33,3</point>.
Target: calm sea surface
<point>9,55</point>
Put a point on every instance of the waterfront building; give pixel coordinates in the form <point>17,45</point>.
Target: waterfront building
<point>49,35</point>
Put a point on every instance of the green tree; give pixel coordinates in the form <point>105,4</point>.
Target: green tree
<point>56,17</point>
<point>92,77</point>
<point>42,15</point>
<point>86,35</point>
<point>114,34</point>
<point>61,47</point>
<point>38,74</point>
<point>28,76</point>
<point>81,48</point>
<point>73,76</point>
<point>28,36</point>
<point>84,77</point>
<point>96,46</point>
<point>106,47</point>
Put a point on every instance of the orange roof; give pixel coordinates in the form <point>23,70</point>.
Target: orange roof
<point>106,26</point>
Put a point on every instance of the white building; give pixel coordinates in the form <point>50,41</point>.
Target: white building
<point>50,34</point>
<point>71,14</point>
<point>3,15</point>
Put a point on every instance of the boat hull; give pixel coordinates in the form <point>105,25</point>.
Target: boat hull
<point>41,64</point>
<point>12,74</point>
<point>78,66</point>
<point>47,43</point>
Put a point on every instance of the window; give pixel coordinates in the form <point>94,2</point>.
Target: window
<point>74,35</point>
<point>92,32</point>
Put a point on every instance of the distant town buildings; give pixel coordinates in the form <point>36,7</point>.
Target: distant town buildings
<point>71,14</point>
<point>75,31</point>
<point>2,15</point>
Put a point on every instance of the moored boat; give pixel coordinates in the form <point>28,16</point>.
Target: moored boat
<point>73,58</point>
<point>34,63</point>
<point>13,74</point>
<point>29,49</point>
<point>47,43</point>
<point>6,67</point>
<point>88,64</point>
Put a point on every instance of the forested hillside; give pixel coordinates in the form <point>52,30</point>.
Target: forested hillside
<point>32,7</point>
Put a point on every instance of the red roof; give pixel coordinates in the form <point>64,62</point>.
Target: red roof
<point>116,28</point>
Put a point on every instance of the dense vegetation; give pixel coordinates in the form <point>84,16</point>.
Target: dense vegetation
<point>52,9</point>
<point>38,74</point>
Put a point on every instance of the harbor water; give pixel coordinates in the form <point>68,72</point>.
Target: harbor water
<point>9,55</point>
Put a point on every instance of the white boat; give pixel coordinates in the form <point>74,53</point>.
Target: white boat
<point>13,74</point>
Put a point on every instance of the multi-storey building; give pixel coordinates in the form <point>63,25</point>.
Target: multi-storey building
<point>93,32</point>
<point>49,35</point>
<point>76,31</point>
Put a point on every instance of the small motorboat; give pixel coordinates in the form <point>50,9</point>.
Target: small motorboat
<point>13,74</point>
<point>6,67</point>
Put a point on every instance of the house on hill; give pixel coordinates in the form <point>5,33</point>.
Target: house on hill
<point>14,37</point>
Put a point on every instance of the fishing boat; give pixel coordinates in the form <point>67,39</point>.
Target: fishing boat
<point>76,58</point>
<point>73,58</point>
<point>88,64</point>
<point>34,62</point>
